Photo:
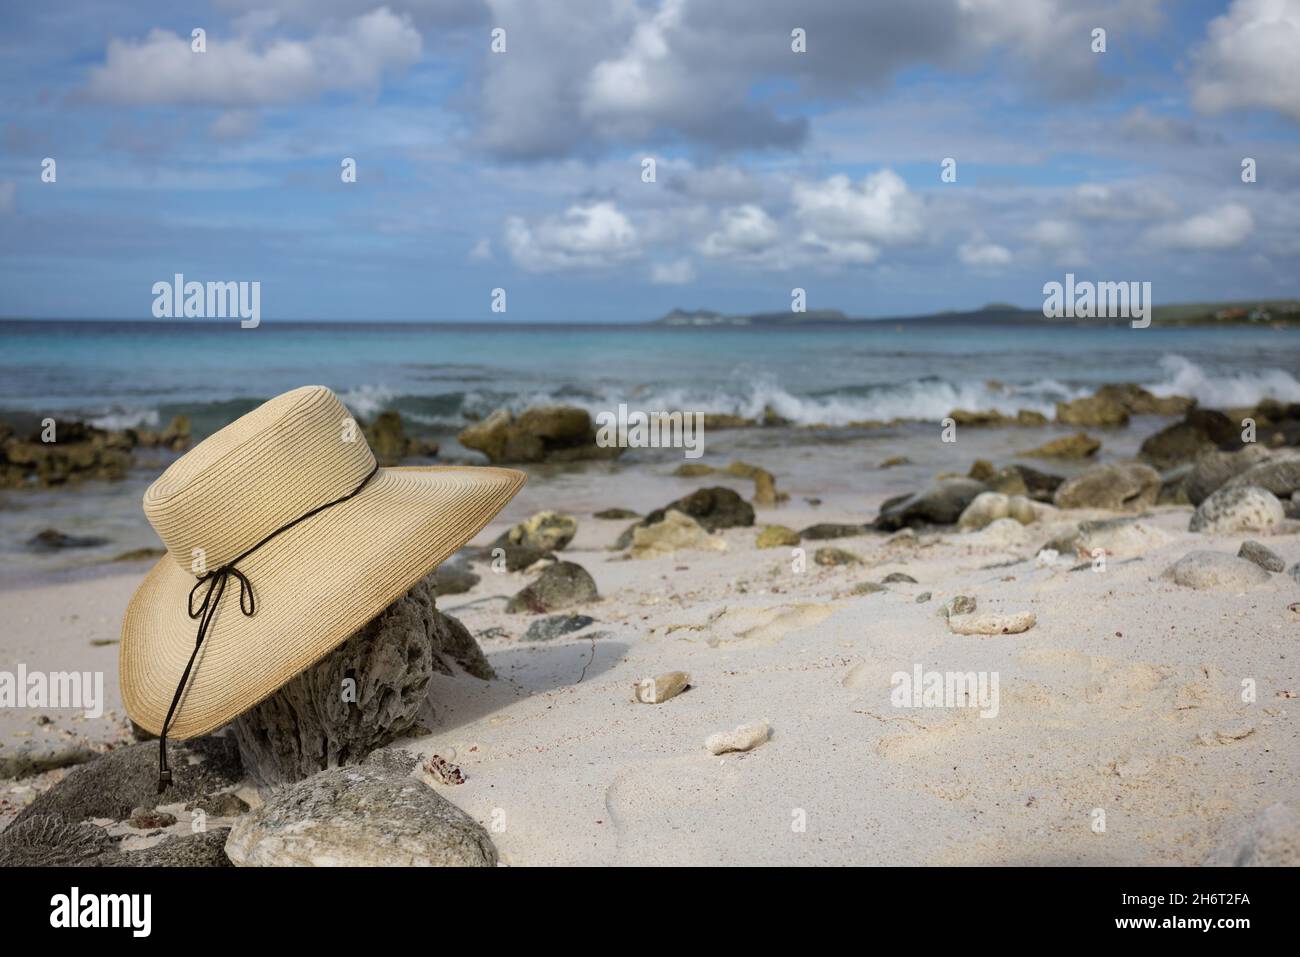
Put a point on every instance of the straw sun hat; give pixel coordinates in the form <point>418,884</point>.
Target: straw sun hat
<point>283,538</point>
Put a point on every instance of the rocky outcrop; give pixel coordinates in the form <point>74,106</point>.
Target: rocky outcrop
<point>991,417</point>
<point>364,694</point>
<point>552,433</point>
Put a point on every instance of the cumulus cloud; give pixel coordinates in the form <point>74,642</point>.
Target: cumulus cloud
<point>249,70</point>
<point>1249,59</point>
<point>978,251</point>
<point>581,76</point>
<point>851,222</point>
<point>1224,227</point>
<point>744,232</point>
<point>1061,238</point>
<point>592,236</point>
<point>675,273</point>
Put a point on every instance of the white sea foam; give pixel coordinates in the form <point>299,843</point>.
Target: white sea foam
<point>126,419</point>
<point>1184,377</point>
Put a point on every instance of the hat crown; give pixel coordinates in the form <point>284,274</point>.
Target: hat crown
<point>288,456</point>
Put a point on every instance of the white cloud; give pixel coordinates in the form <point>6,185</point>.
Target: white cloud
<point>978,251</point>
<point>675,273</point>
<point>593,236</point>
<point>1062,238</point>
<point>249,71</point>
<point>745,232</point>
<point>851,223</point>
<point>1224,227</point>
<point>1250,59</point>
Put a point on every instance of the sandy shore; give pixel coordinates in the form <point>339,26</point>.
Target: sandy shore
<point>1124,698</point>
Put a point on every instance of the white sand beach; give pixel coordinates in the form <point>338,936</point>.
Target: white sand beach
<point>1125,698</point>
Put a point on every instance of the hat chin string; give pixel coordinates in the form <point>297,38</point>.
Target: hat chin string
<point>216,581</point>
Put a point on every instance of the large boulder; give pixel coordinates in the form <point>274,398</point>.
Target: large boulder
<point>941,504</point>
<point>1117,486</point>
<point>1200,431</point>
<point>390,443</point>
<point>1215,468</point>
<point>552,433</point>
<point>372,815</point>
<point>1240,508</point>
<point>311,723</point>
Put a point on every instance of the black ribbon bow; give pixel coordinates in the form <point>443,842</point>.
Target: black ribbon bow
<point>216,581</point>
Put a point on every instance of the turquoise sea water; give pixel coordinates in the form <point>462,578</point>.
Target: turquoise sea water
<point>438,376</point>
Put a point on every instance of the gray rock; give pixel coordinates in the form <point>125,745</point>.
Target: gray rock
<point>941,504</point>
<point>1279,475</point>
<point>1215,468</point>
<point>1216,571</point>
<point>1116,485</point>
<point>1270,839</point>
<point>52,540</point>
<point>546,629</point>
<point>713,508</point>
<point>561,585</point>
<point>364,816</point>
<point>829,530</point>
<point>452,578</point>
<point>1239,508</point>
<point>38,758</point>
<point>226,804</point>
<point>119,781</point>
<point>309,724</point>
<point>958,605</point>
<point>1265,558</point>
<point>899,578</point>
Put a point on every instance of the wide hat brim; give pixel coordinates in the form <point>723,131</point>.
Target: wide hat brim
<point>315,585</point>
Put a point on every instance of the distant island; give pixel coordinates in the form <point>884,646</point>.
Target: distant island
<point>1271,312</point>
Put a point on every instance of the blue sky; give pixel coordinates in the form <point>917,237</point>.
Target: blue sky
<point>523,169</point>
